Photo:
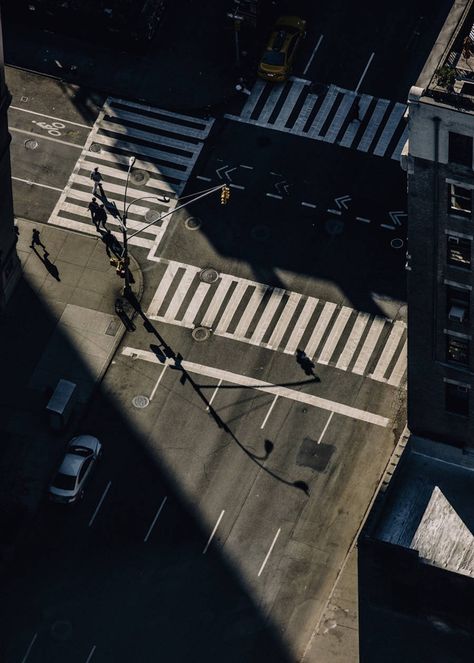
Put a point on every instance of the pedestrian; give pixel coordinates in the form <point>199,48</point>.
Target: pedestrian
<point>35,240</point>
<point>101,217</point>
<point>96,177</point>
<point>93,208</point>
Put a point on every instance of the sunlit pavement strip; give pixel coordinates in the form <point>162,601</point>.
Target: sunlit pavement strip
<point>260,385</point>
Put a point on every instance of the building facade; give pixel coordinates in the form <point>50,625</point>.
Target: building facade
<point>439,160</point>
<point>9,263</point>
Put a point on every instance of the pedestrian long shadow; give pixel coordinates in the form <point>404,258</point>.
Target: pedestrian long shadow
<point>52,269</point>
<point>164,352</point>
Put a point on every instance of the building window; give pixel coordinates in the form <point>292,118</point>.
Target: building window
<point>457,350</point>
<point>457,398</point>
<point>459,252</point>
<point>460,149</point>
<point>460,200</point>
<point>458,304</point>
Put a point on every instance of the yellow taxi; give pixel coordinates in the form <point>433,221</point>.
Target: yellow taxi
<point>277,60</point>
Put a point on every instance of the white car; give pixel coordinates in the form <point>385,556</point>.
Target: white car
<point>82,452</point>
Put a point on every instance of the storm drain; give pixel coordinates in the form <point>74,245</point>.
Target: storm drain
<point>193,223</point>
<point>31,144</point>
<point>95,147</point>
<point>313,455</point>
<point>209,275</point>
<point>140,402</point>
<point>201,333</point>
<point>152,215</point>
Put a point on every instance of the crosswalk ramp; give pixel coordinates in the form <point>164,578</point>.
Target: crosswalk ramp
<point>281,320</point>
<point>330,114</point>
<point>165,145</point>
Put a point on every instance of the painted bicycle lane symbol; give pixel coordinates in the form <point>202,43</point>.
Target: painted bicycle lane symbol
<point>52,129</point>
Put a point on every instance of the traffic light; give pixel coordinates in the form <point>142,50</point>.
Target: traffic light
<point>225,194</point>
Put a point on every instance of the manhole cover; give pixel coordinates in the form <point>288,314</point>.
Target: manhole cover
<point>209,275</point>
<point>61,630</point>
<point>152,215</point>
<point>334,226</point>
<point>260,233</point>
<point>314,455</point>
<point>139,176</point>
<point>192,223</point>
<point>140,402</point>
<point>396,243</point>
<point>201,333</point>
<point>31,144</point>
<point>95,147</point>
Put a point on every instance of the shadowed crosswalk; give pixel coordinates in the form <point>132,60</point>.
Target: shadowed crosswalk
<point>331,114</point>
<point>281,320</point>
<point>166,146</point>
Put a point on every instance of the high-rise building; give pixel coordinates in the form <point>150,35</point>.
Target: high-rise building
<point>9,263</point>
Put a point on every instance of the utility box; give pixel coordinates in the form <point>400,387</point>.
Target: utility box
<point>61,404</point>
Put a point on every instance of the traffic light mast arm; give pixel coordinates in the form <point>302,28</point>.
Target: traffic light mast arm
<point>203,195</point>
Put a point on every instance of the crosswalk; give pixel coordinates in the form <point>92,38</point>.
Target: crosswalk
<point>166,146</point>
<point>332,114</point>
<point>281,320</point>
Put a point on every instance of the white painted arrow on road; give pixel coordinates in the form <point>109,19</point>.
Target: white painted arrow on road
<point>282,185</point>
<point>342,201</point>
<point>397,217</point>
<point>226,172</point>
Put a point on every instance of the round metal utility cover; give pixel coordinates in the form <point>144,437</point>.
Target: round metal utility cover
<point>140,402</point>
<point>396,243</point>
<point>139,176</point>
<point>209,275</point>
<point>261,233</point>
<point>201,333</point>
<point>193,223</point>
<point>95,147</point>
<point>152,215</point>
<point>31,144</point>
<point>334,226</point>
<point>61,630</point>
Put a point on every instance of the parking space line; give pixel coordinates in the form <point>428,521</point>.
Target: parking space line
<point>157,515</point>
<point>100,503</point>
<point>269,552</point>
<point>213,532</point>
<point>269,411</point>
<point>325,427</point>
<point>364,72</point>
<point>25,657</point>
<point>312,55</point>
<point>89,658</point>
<point>51,117</point>
<point>214,395</point>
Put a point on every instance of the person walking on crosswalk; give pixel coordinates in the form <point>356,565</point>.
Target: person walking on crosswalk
<point>96,177</point>
<point>101,217</point>
<point>93,208</point>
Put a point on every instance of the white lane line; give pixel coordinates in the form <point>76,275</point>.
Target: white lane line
<point>244,166</point>
<point>269,552</point>
<point>157,515</point>
<point>361,218</point>
<point>54,140</point>
<point>312,55</point>
<point>308,204</point>
<point>214,393</point>
<point>364,72</point>
<point>266,387</point>
<point>274,195</point>
<point>100,503</point>
<point>89,658</point>
<point>152,395</point>
<point>325,427</point>
<point>44,186</point>
<point>334,211</point>
<point>205,179</point>
<point>213,532</point>
<point>269,412</point>
<point>51,117</point>
<point>25,657</point>
<point>237,186</point>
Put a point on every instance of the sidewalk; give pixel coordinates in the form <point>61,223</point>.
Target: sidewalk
<point>60,323</point>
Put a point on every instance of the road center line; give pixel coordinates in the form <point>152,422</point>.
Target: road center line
<point>100,503</point>
<point>214,394</point>
<point>312,55</point>
<point>158,382</point>
<point>213,532</point>
<point>91,654</point>
<point>157,515</point>
<point>267,387</point>
<point>364,73</point>
<point>325,427</point>
<point>269,411</point>
<point>44,186</point>
<point>25,657</point>
<point>51,117</point>
<point>269,552</point>
<point>54,140</point>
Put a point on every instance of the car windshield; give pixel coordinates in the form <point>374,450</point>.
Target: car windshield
<point>274,58</point>
<point>64,481</point>
<point>81,451</point>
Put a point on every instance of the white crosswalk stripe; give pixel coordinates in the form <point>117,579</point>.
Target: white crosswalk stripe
<point>335,116</point>
<point>251,312</point>
<point>165,145</point>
